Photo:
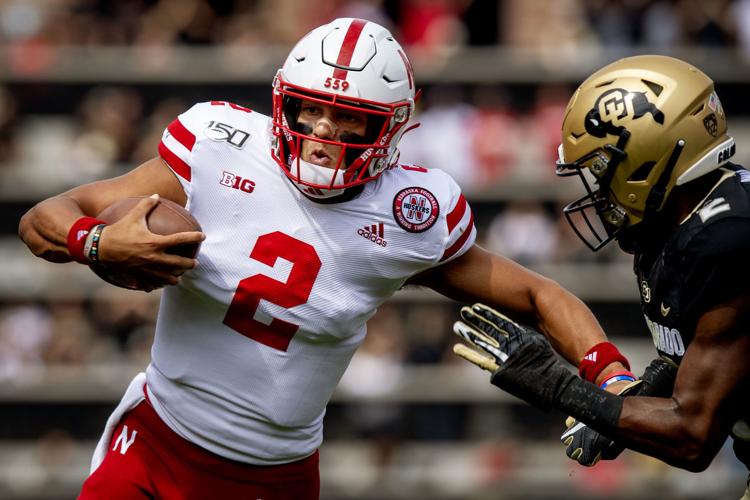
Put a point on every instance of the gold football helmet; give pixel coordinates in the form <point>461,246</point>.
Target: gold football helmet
<point>635,129</point>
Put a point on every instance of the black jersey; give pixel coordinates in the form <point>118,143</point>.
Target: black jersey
<point>703,263</point>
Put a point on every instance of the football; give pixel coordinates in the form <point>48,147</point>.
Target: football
<point>167,217</point>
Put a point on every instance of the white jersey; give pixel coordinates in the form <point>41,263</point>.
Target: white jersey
<point>250,346</point>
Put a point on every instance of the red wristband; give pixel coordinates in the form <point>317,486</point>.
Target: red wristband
<point>77,237</point>
<point>598,358</point>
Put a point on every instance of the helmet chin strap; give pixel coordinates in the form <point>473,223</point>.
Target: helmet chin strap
<point>315,174</point>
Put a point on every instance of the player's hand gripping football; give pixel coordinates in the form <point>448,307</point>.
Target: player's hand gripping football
<point>129,244</point>
<point>490,332</point>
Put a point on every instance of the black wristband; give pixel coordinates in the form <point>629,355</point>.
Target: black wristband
<point>658,379</point>
<point>534,374</point>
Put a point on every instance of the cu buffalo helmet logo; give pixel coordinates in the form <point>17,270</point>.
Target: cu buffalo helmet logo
<point>613,106</point>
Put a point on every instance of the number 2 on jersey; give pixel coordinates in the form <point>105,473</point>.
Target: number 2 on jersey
<point>305,267</point>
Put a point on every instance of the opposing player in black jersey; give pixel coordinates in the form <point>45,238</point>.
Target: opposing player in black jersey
<point>647,135</point>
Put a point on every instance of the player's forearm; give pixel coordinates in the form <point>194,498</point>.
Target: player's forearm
<point>679,431</point>
<point>662,428</point>
<point>683,435</point>
<point>654,426</point>
<point>44,228</point>
<point>569,324</point>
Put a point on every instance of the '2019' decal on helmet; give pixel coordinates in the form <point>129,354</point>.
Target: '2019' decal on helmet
<point>415,209</point>
<point>616,104</point>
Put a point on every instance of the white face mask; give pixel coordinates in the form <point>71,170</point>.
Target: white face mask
<point>316,174</point>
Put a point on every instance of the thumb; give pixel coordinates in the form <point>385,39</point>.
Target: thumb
<point>144,207</point>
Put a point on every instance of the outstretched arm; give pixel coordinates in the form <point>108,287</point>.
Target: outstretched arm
<point>127,242</point>
<point>685,430</point>
<point>481,276</point>
<point>688,429</point>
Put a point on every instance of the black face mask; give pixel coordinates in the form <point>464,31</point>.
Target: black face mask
<point>651,233</point>
<point>628,239</point>
<point>636,238</point>
<point>633,238</point>
<point>596,220</point>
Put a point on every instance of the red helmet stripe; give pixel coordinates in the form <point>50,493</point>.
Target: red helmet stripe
<point>347,48</point>
<point>409,71</point>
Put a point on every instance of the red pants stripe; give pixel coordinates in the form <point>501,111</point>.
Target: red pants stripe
<point>146,459</point>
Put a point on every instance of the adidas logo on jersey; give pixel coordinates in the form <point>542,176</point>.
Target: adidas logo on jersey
<point>373,233</point>
<point>591,357</point>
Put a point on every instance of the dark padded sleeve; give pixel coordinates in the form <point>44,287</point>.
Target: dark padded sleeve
<point>534,374</point>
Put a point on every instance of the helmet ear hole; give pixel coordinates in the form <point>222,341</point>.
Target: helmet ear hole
<point>654,87</point>
<point>642,172</point>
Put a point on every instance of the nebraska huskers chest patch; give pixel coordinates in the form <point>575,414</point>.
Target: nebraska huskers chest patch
<point>415,209</point>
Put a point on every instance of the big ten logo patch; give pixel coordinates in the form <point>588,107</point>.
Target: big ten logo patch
<point>415,209</point>
<point>231,180</point>
<point>222,132</point>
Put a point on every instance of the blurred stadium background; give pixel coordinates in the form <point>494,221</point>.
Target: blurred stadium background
<point>86,88</point>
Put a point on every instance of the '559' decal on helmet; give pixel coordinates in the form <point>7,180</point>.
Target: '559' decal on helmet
<point>415,209</point>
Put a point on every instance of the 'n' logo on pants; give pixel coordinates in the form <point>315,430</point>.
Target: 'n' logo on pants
<point>123,441</point>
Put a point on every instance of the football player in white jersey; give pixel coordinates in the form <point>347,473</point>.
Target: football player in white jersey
<point>310,223</point>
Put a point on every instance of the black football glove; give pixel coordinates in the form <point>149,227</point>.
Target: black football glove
<point>524,364</point>
<point>586,446</point>
<point>521,359</point>
<point>492,332</point>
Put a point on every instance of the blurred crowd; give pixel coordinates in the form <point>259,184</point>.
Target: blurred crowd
<point>424,24</point>
<point>482,136</point>
<point>485,446</point>
<point>485,136</point>
<point>109,329</point>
